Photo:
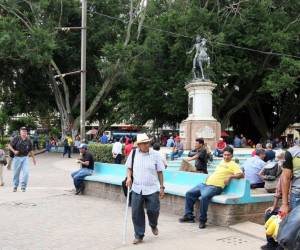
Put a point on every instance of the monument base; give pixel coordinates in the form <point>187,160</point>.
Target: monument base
<point>190,130</point>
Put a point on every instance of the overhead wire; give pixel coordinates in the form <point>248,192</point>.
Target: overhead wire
<point>186,36</point>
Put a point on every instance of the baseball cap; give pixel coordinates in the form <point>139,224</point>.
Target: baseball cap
<point>83,145</point>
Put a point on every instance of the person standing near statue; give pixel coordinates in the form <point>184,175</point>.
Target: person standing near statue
<point>21,147</point>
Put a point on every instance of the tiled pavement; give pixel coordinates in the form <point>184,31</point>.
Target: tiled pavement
<point>48,216</point>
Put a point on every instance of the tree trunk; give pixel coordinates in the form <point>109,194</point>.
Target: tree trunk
<point>226,119</point>
<point>259,120</point>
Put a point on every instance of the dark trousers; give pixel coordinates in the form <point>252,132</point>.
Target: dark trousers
<point>67,150</point>
<point>257,185</point>
<point>138,214</point>
<point>118,159</point>
<point>35,145</point>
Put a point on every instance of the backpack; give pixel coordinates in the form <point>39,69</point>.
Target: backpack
<point>289,230</point>
<point>272,171</point>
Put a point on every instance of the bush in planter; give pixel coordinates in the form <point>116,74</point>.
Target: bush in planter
<point>101,152</point>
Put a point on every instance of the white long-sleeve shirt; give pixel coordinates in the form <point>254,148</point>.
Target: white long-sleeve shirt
<point>117,148</point>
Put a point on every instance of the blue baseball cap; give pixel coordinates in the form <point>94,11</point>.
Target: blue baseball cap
<point>83,145</point>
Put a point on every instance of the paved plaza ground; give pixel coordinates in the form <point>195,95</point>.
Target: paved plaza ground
<point>50,216</point>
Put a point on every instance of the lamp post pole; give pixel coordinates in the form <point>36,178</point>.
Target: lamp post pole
<point>83,70</point>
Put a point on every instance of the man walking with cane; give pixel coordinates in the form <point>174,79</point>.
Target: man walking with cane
<point>146,179</point>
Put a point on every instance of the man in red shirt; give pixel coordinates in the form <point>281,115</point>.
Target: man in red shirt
<point>220,148</point>
<point>128,148</point>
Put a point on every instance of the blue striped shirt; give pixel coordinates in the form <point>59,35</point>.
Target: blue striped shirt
<point>145,168</point>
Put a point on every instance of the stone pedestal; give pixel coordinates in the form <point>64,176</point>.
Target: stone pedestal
<point>200,123</point>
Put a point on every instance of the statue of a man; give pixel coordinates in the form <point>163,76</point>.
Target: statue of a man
<point>200,57</point>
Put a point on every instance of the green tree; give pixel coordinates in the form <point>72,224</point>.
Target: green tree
<point>35,51</point>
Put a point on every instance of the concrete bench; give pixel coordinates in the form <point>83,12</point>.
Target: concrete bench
<point>178,183</point>
<point>234,205</point>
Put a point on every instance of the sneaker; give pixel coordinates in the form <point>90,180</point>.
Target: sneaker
<point>77,192</point>
<point>154,230</point>
<point>185,219</point>
<point>202,225</point>
<point>23,189</point>
<point>269,246</point>
<point>137,241</point>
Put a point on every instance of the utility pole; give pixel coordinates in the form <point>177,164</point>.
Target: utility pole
<point>83,69</point>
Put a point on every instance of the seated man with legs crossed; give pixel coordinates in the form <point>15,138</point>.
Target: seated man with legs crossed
<point>215,183</point>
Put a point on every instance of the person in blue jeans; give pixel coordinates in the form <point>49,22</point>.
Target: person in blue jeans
<point>214,185</point>
<point>87,167</point>
<point>177,149</point>
<point>21,148</point>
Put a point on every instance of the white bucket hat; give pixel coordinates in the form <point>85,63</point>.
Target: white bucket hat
<point>142,138</point>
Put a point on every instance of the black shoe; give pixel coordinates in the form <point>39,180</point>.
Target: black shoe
<point>185,219</point>
<point>77,192</point>
<point>202,225</point>
<point>154,230</point>
<point>82,187</point>
<point>269,246</point>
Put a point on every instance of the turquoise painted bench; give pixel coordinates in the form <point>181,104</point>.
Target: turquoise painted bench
<point>178,183</point>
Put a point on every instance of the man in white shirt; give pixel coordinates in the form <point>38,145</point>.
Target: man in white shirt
<point>117,151</point>
<point>147,186</point>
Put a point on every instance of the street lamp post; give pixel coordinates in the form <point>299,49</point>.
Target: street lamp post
<point>83,70</point>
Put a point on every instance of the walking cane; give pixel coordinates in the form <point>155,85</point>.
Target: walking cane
<point>126,216</point>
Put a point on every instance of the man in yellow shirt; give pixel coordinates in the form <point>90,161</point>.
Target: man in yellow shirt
<point>215,183</point>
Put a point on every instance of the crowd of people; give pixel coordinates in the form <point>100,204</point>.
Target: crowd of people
<point>277,171</point>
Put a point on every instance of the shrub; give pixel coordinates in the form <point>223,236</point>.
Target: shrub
<point>101,152</point>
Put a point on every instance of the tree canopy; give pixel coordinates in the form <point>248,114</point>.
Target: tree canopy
<point>137,63</point>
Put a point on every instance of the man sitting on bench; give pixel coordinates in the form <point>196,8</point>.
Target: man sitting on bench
<point>215,183</point>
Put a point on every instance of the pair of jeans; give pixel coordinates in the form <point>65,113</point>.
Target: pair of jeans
<point>67,150</point>
<point>79,175</point>
<point>152,204</point>
<point>218,153</point>
<point>177,153</point>
<point>294,200</point>
<point>206,192</point>
<point>21,163</point>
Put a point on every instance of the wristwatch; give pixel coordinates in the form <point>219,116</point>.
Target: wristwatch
<point>162,187</point>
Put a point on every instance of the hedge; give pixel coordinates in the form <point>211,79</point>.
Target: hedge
<point>101,152</point>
